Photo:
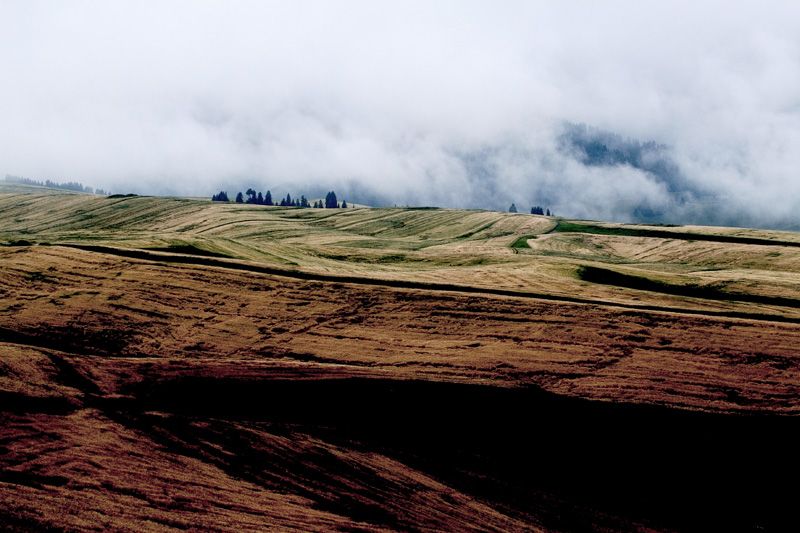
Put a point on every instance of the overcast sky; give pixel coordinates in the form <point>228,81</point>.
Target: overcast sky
<point>387,97</point>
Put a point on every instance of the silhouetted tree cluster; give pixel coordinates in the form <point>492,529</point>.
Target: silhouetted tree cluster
<point>513,208</point>
<point>67,185</point>
<point>251,196</point>
<point>330,200</point>
<point>539,210</point>
<point>289,202</point>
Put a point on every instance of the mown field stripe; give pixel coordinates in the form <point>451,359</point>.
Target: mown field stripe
<point>135,253</point>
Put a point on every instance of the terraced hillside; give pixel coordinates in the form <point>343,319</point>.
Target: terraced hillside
<point>181,364</point>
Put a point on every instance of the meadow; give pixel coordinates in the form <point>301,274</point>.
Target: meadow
<point>172,363</point>
<point>726,269</point>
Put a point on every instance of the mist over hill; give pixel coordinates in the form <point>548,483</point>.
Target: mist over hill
<point>588,172</point>
<point>577,170</point>
<point>691,108</point>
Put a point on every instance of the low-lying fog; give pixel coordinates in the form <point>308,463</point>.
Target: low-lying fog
<point>691,109</point>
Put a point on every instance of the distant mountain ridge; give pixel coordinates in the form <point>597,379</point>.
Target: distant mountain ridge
<point>595,147</point>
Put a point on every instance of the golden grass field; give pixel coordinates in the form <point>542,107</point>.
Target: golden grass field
<point>468,248</point>
<point>170,363</point>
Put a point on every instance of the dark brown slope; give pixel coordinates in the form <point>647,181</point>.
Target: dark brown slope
<point>139,395</point>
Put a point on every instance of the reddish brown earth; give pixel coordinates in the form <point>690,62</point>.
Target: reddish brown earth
<point>145,395</point>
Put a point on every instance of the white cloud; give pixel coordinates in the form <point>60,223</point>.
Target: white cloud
<point>385,96</point>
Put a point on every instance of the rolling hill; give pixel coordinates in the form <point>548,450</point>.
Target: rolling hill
<point>170,363</point>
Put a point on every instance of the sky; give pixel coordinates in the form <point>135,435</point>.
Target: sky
<point>394,102</point>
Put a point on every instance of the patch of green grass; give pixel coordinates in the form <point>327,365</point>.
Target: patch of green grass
<point>522,242</point>
<point>391,258</point>
<point>379,259</point>
<point>564,226</point>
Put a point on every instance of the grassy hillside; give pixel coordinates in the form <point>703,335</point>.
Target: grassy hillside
<point>171,364</point>
<point>731,270</point>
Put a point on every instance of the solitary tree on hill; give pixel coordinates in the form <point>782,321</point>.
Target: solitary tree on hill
<point>513,208</point>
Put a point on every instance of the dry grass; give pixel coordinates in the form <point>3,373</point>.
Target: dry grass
<point>141,393</point>
<point>99,305</point>
<point>470,248</point>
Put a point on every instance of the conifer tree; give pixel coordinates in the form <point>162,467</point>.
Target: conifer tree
<point>330,200</point>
